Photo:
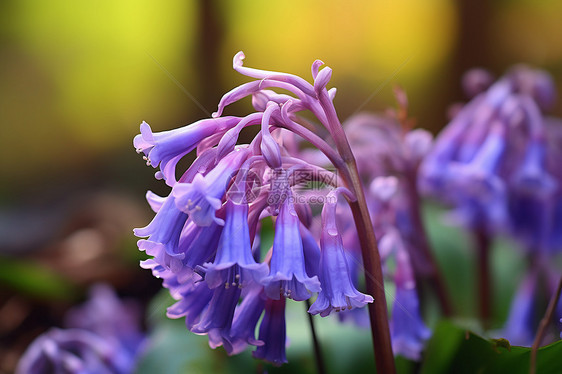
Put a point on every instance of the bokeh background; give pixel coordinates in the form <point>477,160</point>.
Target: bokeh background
<point>77,78</point>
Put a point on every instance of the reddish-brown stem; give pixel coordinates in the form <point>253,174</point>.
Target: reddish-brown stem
<point>484,281</point>
<point>434,274</point>
<point>378,313</point>
<point>542,327</point>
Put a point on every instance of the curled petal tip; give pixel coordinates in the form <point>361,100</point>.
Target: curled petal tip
<point>238,59</point>
<point>315,67</point>
<point>146,131</point>
<point>322,79</point>
<point>216,114</point>
<point>332,93</point>
<point>285,109</point>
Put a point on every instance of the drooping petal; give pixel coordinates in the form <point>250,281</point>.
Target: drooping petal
<point>273,333</point>
<point>199,243</point>
<point>193,300</point>
<point>338,292</point>
<point>311,252</point>
<point>163,234</point>
<point>166,148</point>
<point>287,277</point>
<point>246,317</point>
<point>522,322</point>
<point>234,265</point>
<point>218,315</point>
<point>202,197</point>
<point>407,330</point>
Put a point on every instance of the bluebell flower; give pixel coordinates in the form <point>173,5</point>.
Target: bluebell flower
<point>273,333</point>
<point>408,332</point>
<point>481,200</point>
<point>462,139</point>
<point>246,317</point>
<point>338,292</point>
<point>489,163</point>
<point>202,197</point>
<point>311,252</point>
<point>537,84</point>
<point>234,264</point>
<point>407,329</point>
<point>555,235</point>
<point>103,336</point>
<point>109,317</point>
<point>166,148</point>
<point>531,199</point>
<point>194,298</point>
<point>73,351</point>
<point>199,243</point>
<point>163,232</point>
<point>216,319</point>
<point>287,277</point>
<point>522,321</point>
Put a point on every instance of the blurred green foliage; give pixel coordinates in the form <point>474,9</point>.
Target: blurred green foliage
<point>35,281</point>
<point>456,350</point>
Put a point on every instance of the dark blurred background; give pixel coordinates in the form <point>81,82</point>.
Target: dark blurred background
<point>77,78</point>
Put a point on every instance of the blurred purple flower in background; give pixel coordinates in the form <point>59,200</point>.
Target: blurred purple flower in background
<point>492,163</point>
<point>496,165</point>
<point>102,336</point>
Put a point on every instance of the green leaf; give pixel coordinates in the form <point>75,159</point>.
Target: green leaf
<point>34,280</point>
<point>456,350</point>
<point>453,249</point>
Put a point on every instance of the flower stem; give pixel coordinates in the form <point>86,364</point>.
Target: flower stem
<point>378,313</point>
<point>484,281</point>
<point>542,327</point>
<point>435,275</point>
<point>315,342</point>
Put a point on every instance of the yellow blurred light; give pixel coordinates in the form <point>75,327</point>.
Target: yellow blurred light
<point>96,56</point>
<point>355,37</point>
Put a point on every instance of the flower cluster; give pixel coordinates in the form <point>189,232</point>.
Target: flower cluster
<point>101,336</point>
<point>496,164</point>
<point>204,238</point>
<point>496,161</point>
<point>389,153</point>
